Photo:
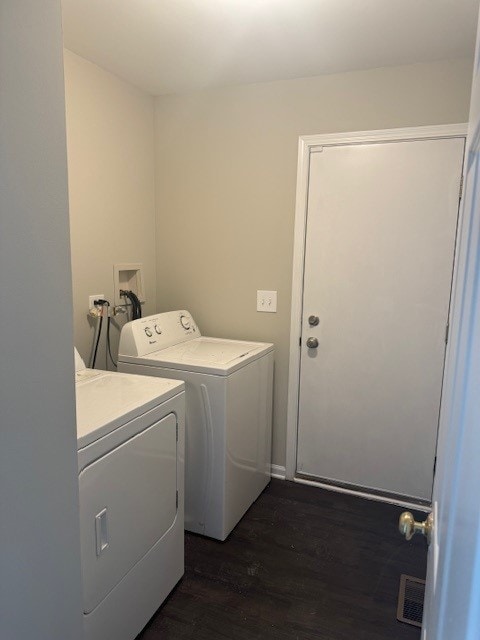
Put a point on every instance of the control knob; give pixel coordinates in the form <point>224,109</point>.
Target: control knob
<point>148,332</point>
<point>157,329</point>
<point>185,322</point>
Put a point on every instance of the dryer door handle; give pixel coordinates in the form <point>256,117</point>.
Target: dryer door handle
<point>101,531</point>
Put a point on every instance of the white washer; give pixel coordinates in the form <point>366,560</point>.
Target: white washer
<point>130,434</point>
<point>228,412</point>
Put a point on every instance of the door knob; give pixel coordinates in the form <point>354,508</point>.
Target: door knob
<point>313,320</point>
<point>408,527</point>
<point>312,343</point>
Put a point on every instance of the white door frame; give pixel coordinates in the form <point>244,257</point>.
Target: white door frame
<point>306,146</point>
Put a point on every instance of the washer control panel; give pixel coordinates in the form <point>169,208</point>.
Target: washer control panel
<point>152,333</point>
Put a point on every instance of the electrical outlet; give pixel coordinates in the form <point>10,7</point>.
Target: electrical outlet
<point>267,301</point>
<point>97,296</point>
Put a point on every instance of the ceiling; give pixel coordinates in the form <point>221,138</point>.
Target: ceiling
<point>170,46</point>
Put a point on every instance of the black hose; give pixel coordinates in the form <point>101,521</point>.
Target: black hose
<point>108,342</point>
<point>98,340</point>
<point>138,306</point>
<point>135,302</point>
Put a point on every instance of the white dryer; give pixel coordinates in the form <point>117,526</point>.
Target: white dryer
<point>228,412</point>
<point>130,434</point>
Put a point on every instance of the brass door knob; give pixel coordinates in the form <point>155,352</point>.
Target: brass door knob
<point>408,527</point>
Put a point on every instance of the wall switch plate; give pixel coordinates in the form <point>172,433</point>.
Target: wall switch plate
<point>96,296</point>
<point>267,301</point>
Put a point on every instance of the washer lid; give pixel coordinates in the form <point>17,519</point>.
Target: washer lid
<point>107,400</point>
<point>208,355</point>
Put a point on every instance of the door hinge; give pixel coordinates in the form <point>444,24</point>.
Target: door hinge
<point>434,465</point>
<point>447,330</point>
<point>460,194</point>
<point>176,500</point>
<point>300,341</point>
<point>177,431</point>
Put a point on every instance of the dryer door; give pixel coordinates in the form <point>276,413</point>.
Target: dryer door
<point>128,500</point>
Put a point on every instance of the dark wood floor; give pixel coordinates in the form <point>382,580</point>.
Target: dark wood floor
<point>303,564</point>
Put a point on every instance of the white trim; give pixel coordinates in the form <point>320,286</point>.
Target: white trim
<point>307,145</point>
<point>276,471</point>
<point>383,135</point>
<point>303,168</point>
<point>364,494</point>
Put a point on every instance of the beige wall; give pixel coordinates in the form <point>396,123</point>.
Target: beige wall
<point>225,178</point>
<point>111,186</point>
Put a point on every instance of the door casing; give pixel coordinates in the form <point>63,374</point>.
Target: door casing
<point>307,144</point>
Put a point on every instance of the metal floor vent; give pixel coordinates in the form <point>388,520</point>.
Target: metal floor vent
<point>410,600</point>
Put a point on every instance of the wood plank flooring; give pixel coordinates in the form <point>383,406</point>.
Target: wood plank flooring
<point>303,564</point>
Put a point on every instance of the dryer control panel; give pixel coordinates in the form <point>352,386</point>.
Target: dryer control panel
<point>152,333</point>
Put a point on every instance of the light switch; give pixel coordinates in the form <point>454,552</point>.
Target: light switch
<point>267,301</point>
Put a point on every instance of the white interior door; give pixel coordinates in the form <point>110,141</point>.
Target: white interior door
<point>379,253</point>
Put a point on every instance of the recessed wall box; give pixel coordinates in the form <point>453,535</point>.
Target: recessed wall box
<point>128,277</point>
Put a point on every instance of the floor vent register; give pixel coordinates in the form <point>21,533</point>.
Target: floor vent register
<point>410,600</point>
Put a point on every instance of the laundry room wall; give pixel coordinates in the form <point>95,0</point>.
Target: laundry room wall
<point>110,147</point>
<point>40,572</point>
<point>226,164</point>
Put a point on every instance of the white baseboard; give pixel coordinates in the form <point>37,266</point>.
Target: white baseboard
<point>399,502</point>
<point>277,471</point>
